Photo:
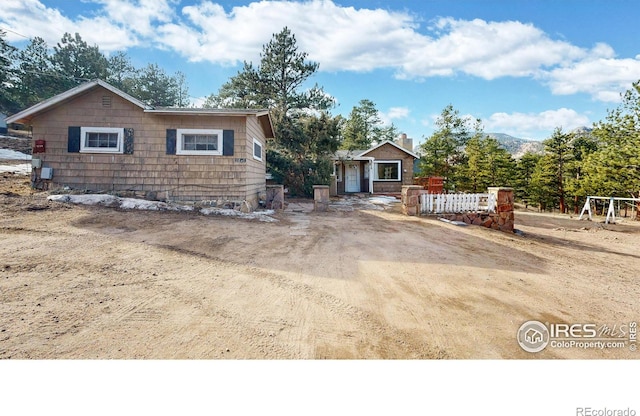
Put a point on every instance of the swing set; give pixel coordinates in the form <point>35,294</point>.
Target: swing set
<point>611,214</point>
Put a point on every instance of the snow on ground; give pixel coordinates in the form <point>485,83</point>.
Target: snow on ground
<point>143,204</point>
<point>8,154</point>
<point>373,203</point>
<point>18,168</point>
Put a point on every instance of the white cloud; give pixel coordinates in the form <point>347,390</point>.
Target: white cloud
<point>532,124</point>
<point>394,113</point>
<point>486,49</point>
<point>603,78</point>
<point>339,38</point>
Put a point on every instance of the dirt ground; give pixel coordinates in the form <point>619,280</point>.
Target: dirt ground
<point>81,282</point>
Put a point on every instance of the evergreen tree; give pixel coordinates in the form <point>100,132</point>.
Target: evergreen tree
<point>121,73</point>
<point>300,151</point>
<point>364,127</point>
<point>443,151</point>
<point>155,87</point>
<point>78,61</point>
<point>559,153</point>
<point>8,103</point>
<point>525,167</point>
<point>38,79</point>
<point>614,168</point>
<point>485,164</point>
<point>543,186</point>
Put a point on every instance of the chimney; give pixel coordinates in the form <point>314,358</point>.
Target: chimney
<point>405,142</point>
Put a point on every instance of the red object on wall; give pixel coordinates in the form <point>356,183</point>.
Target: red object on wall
<point>39,146</point>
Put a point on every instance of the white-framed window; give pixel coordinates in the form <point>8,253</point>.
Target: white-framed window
<point>387,170</point>
<point>101,139</point>
<point>198,142</point>
<point>257,150</point>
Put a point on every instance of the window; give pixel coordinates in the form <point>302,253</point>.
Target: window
<point>199,142</point>
<point>257,150</point>
<point>101,139</point>
<point>387,170</point>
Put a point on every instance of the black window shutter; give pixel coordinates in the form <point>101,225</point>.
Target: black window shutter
<point>171,141</point>
<point>227,143</point>
<point>73,140</point>
<point>128,141</point>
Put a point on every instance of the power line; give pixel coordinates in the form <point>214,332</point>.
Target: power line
<point>15,33</point>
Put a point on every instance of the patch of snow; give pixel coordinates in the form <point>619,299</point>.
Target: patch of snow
<point>259,215</point>
<point>19,169</point>
<point>374,203</point>
<point>93,199</point>
<point>145,205</point>
<point>8,154</point>
<point>383,200</point>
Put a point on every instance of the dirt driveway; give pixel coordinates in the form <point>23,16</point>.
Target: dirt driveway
<point>356,282</point>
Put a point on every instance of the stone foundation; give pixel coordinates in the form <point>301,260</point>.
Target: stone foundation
<point>502,221</point>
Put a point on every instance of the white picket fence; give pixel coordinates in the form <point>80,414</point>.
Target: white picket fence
<point>441,203</point>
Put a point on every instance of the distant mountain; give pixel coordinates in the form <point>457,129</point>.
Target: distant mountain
<point>516,146</point>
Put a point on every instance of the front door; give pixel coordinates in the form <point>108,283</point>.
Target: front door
<point>352,177</point>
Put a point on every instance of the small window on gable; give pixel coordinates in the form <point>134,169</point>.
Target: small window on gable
<point>101,140</point>
<point>257,150</point>
<point>199,142</point>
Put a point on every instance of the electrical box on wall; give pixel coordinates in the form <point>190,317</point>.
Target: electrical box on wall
<point>39,146</point>
<point>36,163</point>
<point>47,173</point>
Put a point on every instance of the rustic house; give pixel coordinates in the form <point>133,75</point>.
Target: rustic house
<point>383,168</point>
<point>98,138</point>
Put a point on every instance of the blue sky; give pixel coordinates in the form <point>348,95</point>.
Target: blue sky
<point>522,67</point>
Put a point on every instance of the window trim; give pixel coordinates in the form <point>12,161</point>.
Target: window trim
<point>119,149</point>
<point>375,170</point>
<point>255,141</point>
<point>179,142</point>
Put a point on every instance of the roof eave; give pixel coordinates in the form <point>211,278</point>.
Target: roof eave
<point>27,114</point>
<point>393,144</point>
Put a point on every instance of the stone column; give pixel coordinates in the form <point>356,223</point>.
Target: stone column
<point>504,208</point>
<point>411,199</point>
<point>320,197</point>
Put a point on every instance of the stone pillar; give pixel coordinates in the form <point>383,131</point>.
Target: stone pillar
<point>275,197</point>
<point>411,199</point>
<point>504,208</point>
<point>320,197</point>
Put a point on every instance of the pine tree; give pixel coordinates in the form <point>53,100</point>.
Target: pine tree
<point>299,154</point>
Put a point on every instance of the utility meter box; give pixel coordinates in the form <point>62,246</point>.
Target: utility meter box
<point>47,173</point>
<point>36,163</point>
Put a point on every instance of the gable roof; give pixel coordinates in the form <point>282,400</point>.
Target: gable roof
<point>26,115</point>
<point>29,113</point>
<point>362,154</point>
<point>397,146</point>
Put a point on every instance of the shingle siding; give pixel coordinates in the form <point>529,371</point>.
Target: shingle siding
<point>149,168</point>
